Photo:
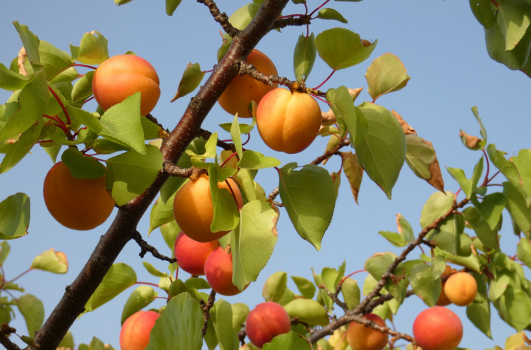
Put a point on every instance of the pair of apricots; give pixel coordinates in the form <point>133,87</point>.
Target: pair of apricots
<point>460,288</point>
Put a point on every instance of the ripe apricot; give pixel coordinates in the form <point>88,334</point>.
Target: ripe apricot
<point>79,204</point>
<point>288,122</point>
<point>192,255</point>
<point>461,288</point>
<point>365,338</point>
<point>244,89</point>
<point>437,328</point>
<point>218,271</point>
<point>265,322</point>
<point>443,299</point>
<point>194,211</point>
<point>136,329</point>
<point>120,77</point>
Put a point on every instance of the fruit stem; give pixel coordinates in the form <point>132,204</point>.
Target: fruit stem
<point>22,274</point>
<point>318,86</point>
<point>82,65</point>
<point>61,104</point>
<point>324,3</point>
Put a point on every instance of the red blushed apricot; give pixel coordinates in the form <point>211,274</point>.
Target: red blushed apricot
<point>365,338</point>
<point>218,271</point>
<point>136,329</point>
<point>461,288</point>
<point>192,255</point>
<point>244,89</point>
<point>79,204</point>
<point>288,122</point>
<point>194,211</point>
<point>120,77</point>
<point>437,328</point>
<point>265,322</point>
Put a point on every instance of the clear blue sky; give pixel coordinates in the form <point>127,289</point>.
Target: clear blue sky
<point>440,43</point>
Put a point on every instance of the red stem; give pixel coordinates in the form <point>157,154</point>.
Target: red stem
<point>288,16</point>
<point>55,119</point>
<point>226,160</point>
<point>306,7</point>
<point>493,176</point>
<point>83,65</point>
<point>486,181</point>
<point>88,99</point>
<point>208,71</point>
<point>248,138</point>
<point>318,86</point>
<point>22,274</point>
<point>320,99</point>
<point>147,283</point>
<point>77,132</point>
<point>317,9</point>
<point>352,274</point>
<point>61,104</point>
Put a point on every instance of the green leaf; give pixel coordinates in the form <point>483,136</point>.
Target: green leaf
<point>121,123</point>
<point>491,208</point>
<point>478,312</point>
<point>341,48</point>
<point>255,160</point>
<point>30,42</point>
<point>151,130</point>
<point>524,251</point>
<point>386,74</point>
<point>197,283</point>
<point>235,134</point>
<point>468,186</point>
<point>419,156</point>
<point>33,311</point>
<point>306,288</point>
<point>81,166</point>
<point>239,315</point>
<point>225,209</point>
<point>351,293</point>
<point>513,18</point>
<point>169,233</point>
<point>153,270</point>
<point>377,264</point>
<point>253,241</point>
<point>471,262</point>
<point>14,217</point>
<point>83,87</point>
<point>51,261</point>
<point>515,308</point>
<point>328,13</point>
<point>243,16</point>
<point>179,326</point>
<point>74,52</point>
<point>33,100</point>
<point>424,285</point>
<point>307,310</point>
<point>10,80</point>
<point>393,238</point>
<point>122,2</point>
<point>221,315</point>
<point>346,113</point>
<point>437,205</point>
<point>448,236</point>
<point>104,146</point>
<point>54,60</point>
<point>291,341</point>
<point>488,236</point>
<point>4,250</point>
<point>125,187</point>
<point>227,41</point>
<point>161,213</point>
<point>93,48</point>
<point>66,76</point>
<point>119,277</point>
<point>191,79</point>
<point>304,57</point>
<point>511,172</point>
<point>484,11</point>
<point>275,286</point>
<point>171,6</point>
<point>382,151</point>
<point>139,299</point>
<point>210,337</point>
<point>353,171</point>
<point>523,165</point>
<point>309,198</point>
<point>209,149</point>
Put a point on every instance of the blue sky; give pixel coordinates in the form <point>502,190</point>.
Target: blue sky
<point>441,45</point>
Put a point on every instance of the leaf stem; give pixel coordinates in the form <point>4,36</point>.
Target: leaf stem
<point>486,181</point>
<point>83,65</point>
<point>22,274</point>
<point>352,274</point>
<point>226,160</point>
<point>318,86</point>
<point>61,104</point>
<point>248,139</point>
<point>317,9</point>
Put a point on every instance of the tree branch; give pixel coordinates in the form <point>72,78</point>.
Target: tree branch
<point>334,297</point>
<point>205,134</point>
<point>221,18</point>
<point>145,247</point>
<point>206,310</point>
<point>292,21</point>
<point>4,340</point>
<point>124,225</point>
<point>174,170</point>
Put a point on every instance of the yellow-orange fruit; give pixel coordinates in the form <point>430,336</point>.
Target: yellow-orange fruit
<point>461,288</point>
<point>192,255</point>
<point>365,338</point>
<point>244,89</point>
<point>79,204</point>
<point>120,77</point>
<point>218,272</point>
<point>288,122</point>
<point>136,329</point>
<point>194,211</point>
<point>266,321</point>
<point>443,299</point>
<point>438,328</point>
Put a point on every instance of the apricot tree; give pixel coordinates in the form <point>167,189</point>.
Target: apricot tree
<point>196,193</point>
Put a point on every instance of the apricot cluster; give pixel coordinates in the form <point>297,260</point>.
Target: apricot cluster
<point>460,288</point>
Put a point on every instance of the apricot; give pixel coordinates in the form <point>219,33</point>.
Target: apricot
<point>244,89</point>
<point>79,204</point>
<point>288,122</point>
<point>338,340</point>
<point>437,328</point>
<point>192,255</point>
<point>136,329</point>
<point>194,211</point>
<point>120,77</point>
<point>443,299</point>
<point>461,288</point>
<point>365,338</point>
<point>265,322</point>
<point>218,271</point>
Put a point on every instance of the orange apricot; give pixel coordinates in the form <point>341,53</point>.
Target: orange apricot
<point>192,255</point>
<point>361,337</point>
<point>218,272</point>
<point>437,328</point>
<point>288,122</point>
<point>79,204</point>
<point>194,211</point>
<point>461,288</point>
<point>443,299</point>
<point>266,321</point>
<point>135,331</point>
<point>244,89</point>
<point>120,77</point>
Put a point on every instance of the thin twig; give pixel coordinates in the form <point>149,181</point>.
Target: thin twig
<point>4,340</point>
<point>206,310</point>
<point>145,247</point>
<point>221,18</point>
<point>334,297</point>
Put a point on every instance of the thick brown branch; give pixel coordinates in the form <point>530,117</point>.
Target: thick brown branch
<point>206,310</point>
<point>174,170</point>
<point>221,18</point>
<point>291,21</point>
<point>4,340</point>
<point>145,247</point>
<point>205,134</point>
